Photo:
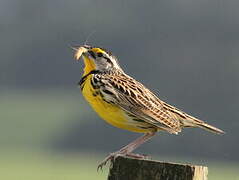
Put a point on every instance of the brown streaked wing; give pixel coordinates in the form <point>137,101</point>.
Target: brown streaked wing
<point>135,98</point>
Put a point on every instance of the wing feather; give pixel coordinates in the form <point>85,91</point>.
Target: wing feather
<point>136,99</point>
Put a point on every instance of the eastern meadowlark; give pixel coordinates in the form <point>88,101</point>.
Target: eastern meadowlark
<point>125,103</point>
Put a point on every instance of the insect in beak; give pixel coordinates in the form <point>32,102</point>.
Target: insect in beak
<point>79,51</point>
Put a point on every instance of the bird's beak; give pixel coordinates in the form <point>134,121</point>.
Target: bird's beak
<point>79,51</point>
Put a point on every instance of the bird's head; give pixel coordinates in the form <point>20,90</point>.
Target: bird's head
<point>96,58</point>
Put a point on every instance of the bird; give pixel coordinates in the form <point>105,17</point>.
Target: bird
<point>125,103</point>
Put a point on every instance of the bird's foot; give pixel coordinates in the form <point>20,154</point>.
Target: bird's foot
<point>111,157</point>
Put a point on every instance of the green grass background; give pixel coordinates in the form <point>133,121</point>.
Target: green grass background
<point>31,119</point>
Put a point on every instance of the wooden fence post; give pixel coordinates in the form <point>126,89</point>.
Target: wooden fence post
<point>125,168</point>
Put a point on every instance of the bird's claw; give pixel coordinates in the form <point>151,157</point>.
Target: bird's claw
<point>110,157</point>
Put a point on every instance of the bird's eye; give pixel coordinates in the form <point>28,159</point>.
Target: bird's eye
<point>99,54</point>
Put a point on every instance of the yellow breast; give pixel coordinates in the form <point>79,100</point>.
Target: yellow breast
<point>112,114</point>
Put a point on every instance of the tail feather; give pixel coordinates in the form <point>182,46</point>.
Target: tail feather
<point>190,121</point>
<point>210,128</point>
<point>194,122</point>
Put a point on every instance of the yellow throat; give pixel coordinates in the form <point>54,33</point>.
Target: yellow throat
<point>89,65</point>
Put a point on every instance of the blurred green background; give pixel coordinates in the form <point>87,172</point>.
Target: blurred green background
<point>185,51</point>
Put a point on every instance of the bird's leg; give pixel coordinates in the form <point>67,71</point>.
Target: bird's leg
<point>126,150</point>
